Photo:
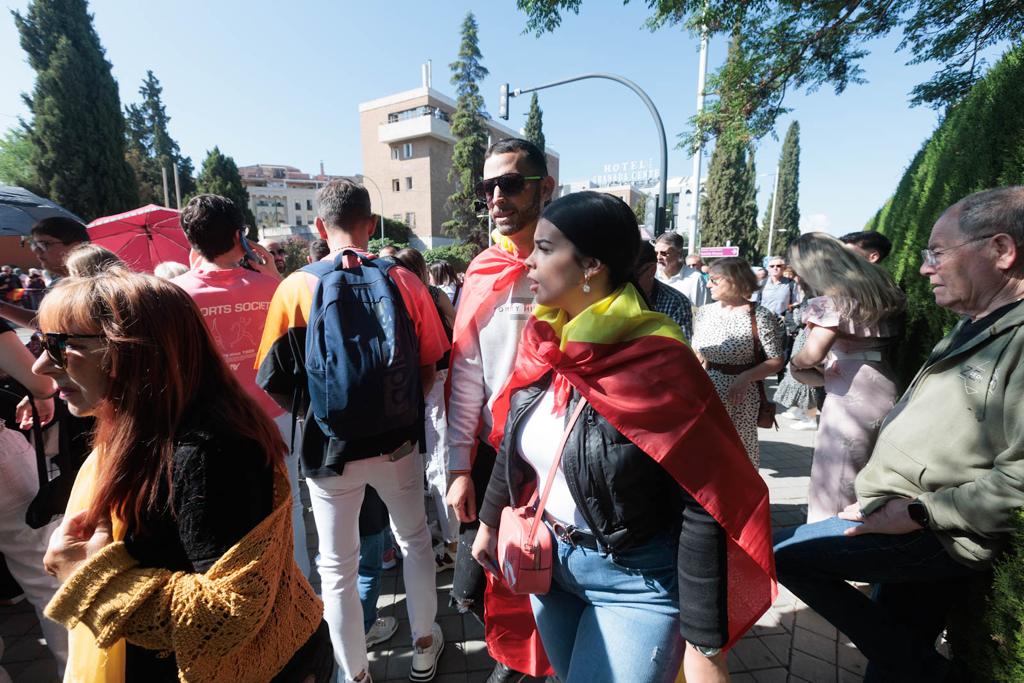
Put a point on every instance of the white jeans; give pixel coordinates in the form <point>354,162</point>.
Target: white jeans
<point>284,423</point>
<point>22,546</point>
<point>336,503</point>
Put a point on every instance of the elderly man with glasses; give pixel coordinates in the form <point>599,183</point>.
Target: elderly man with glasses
<point>778,292</point>
<point>936,501</point>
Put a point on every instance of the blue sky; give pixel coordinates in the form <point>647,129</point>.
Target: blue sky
<point>273,82</point>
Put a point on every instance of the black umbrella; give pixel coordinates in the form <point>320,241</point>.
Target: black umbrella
<point>20,209</point>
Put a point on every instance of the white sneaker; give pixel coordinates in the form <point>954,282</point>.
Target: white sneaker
<point>381,630</point>
<point>424,660</point>
<point>793,413</point>
<point>804,425</point>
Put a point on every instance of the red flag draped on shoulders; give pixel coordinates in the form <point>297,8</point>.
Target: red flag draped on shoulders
<point>635,369</point>
<point>511,631</point>
<point>489,276</point>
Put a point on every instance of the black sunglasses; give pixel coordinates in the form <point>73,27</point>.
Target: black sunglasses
<point>56,345</point>
<point>511,184</point>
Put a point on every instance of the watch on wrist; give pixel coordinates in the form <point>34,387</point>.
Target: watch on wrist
<point>707,651</point>
<point>919,513</point>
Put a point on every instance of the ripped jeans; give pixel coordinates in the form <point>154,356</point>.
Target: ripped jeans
<point>612,619</point>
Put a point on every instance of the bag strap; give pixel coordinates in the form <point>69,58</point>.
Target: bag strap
<point>42,469</point>
<point>759,354</point>
<point>542,502</point>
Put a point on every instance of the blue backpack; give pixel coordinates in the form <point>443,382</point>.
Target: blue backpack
<point>362,352</point>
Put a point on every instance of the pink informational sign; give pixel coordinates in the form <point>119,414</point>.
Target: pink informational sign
<point>719,252</point>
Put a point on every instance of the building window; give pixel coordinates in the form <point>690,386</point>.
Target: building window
<point>396,185</point>
<point>407,150</point>
<point>298,220</point>
<point>408,182</point>
<point>416,112</point>
<point>410,219</point>
<point>298,206</point>
<point>394,153</point>
<point>396,217</point>
<point>309,205</point>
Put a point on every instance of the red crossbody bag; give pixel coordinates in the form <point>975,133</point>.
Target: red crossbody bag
<point>524,556</point>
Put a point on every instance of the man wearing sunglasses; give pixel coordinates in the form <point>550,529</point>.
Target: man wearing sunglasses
<point>276,249</point>
<point>495,305</point>
<point>52,239</point>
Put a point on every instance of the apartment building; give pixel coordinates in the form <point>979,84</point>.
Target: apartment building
<point>283,199</point>
<point>407,151</point>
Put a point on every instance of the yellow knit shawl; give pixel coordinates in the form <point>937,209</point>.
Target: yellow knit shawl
<point>241,621</point>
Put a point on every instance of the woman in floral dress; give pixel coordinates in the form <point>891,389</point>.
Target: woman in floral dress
<point>724,341</point>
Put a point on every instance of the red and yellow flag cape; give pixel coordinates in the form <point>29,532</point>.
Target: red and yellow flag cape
<point>635,369</point>
<point>511,631</point>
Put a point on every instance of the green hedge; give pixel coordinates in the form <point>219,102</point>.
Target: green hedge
<point>979,145</point>
<point>986,629</point>
<point>459,255</point>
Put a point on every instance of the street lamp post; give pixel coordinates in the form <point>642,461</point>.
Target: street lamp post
<point>695,179</point>
<point>775,210</point>
<point>381,195</point>
<point>659,216</point>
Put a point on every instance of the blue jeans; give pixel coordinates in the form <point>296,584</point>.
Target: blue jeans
<point>914,581</point>
<point>612,618</point>
<point>371,550</point>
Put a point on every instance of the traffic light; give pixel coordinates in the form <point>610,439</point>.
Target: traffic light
<point>503,101</point>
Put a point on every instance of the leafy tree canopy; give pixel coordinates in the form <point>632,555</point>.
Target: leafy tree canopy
<point>809,44</point>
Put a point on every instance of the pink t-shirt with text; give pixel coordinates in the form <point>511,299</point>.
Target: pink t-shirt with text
<point>234,304</point>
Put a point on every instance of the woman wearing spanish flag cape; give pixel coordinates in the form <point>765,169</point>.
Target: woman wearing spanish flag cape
<point>662,539</point>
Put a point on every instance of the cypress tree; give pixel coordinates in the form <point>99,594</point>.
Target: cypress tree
<point>470,134</point>
<point>747,241</point>
<point>220,176</point>
<point>787,220</point>
<point>534,129</point>
<point>77,130</point>
<point>151,147</point>
<point>725,213</point>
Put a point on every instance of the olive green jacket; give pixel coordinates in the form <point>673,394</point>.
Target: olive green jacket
<point>955,441</point>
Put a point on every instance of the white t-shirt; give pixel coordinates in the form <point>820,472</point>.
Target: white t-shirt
<point>537,441</point>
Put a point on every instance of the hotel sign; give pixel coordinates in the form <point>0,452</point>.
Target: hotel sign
<point>640,172</point>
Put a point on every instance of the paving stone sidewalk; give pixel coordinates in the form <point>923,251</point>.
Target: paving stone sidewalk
<point>789,644</point>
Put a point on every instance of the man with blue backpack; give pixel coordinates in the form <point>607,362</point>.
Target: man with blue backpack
<point>357,339</point>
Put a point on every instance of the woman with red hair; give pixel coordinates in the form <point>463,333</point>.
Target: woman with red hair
<point>176,550</point>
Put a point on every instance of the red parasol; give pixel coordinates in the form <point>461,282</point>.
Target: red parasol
<point>143,237</point>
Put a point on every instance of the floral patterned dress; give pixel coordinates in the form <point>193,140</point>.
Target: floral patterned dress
<point>726,336</point>
<point>860,392</point>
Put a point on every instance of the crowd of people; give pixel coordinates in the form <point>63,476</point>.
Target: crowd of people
<point>574,382</point>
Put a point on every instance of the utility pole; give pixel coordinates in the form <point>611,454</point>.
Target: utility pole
<point>167,198</point>
<point>702,72</point>
<point>177,187</point>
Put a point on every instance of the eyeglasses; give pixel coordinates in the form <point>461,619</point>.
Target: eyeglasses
<point>510,184</point>
<point>776,265</point>
<point>56,345</point>
<point>932,257</point>
<point>43,245</point>
<point>714,280</point>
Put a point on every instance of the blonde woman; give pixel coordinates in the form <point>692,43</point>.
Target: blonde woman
<point>851,328</point>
